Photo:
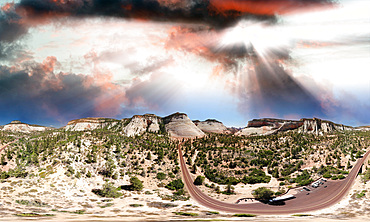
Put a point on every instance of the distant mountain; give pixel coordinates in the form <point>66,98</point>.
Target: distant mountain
<point>269,126</point>
<point>176,125</point>
<point>179,125</point>
<point>18,126</point>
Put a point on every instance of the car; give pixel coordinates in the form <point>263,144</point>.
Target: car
<point>306,189</point>
<point>323,179</point>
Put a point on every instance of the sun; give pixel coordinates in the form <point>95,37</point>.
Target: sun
<point>260,36</point>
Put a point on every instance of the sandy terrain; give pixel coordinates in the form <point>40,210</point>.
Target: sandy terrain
<point>72,200</point>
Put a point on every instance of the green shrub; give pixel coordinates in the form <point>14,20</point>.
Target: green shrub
<point>108,191</point>
<point>161,176</point>
<point>136,205</point>
<point>186,214</point>
<point>199,180</point>
<point>244,215</point>
<point>327,175</point>
<point>340,176</point>
<point>175,185</point>
<point>263,194</point>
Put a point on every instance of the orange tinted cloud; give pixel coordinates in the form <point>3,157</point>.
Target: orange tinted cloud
<point>7,7</point>
<point>261,7</point>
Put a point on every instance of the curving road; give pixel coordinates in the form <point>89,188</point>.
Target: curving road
<point>6,145</point>
<point>305,201</point>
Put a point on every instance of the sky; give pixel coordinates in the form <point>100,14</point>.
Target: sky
<point>230,60</point>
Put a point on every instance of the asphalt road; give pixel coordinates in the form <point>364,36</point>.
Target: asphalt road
<point>305,201</point>
<point>6,145</point>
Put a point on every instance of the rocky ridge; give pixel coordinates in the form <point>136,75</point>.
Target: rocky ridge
<point>269,126</point>
<point>211,126</point>
<point>177,125</point>
<point>90,123</point>
<point>18,126</point>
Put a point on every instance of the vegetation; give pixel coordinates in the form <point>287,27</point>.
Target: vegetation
<point>175,185</point>
<point>244,215</point>
<point>186,214</point>
<point>161,176</point>
<point>108,191</point>
<point>263,194</point>
<point>199,180</point>
<point>366,176</point>
<point>361,194</point>
<point>136,184</point>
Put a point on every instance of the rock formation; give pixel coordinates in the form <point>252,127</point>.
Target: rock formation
<point>18,126</point>
<point>179,125</point>
<point>211,126</point>
<point>270,126</point>
<point>90,123</point>
<point>141,124</point>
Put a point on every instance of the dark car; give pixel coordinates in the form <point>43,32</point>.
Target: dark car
<point>306,189</point>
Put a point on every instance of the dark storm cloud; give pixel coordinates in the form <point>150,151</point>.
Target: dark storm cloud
<point>36,94</point>
<point>11,28</point>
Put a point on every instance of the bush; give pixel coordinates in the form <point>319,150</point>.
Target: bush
<point>327,175</point>
<point>136,184</point>
<point>175,185</point>
<point>161,176</point>
<point>108,191</point>
<point>186,214</point>
<point>199,180</point>
<point>341,176</point>
<point>256,176</point>
<point>263,194</point>
<point>244,215</point>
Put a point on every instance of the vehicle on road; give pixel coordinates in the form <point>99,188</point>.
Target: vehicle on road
<point>306,189</point>
<point>282,198</point>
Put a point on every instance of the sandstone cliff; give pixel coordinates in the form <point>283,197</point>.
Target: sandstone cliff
<point>179,125</point>
<point>141,124</point>
<point>319,126</point>
<point>90,123</point>
<point>17,126</point>
<point>270,126</point>
<point>211,126</point>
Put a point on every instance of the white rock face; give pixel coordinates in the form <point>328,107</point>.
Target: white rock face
<point>17,126</point>
<point>318,126</point>
<point>248,131</point>
<point>140,124</point>
<point>89,124</point>
<point>179,125</point>
<point>211,126</point>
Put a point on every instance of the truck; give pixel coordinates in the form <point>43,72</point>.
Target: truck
<point>282,198</point>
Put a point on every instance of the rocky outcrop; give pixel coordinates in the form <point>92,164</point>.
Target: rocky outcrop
<point>211,126</point>
<point>141,124</point>
<point>90,123</point>
<point>270,126</point>
<point>318,126</point>
<point>18,126</point>
<point>179,125</point>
